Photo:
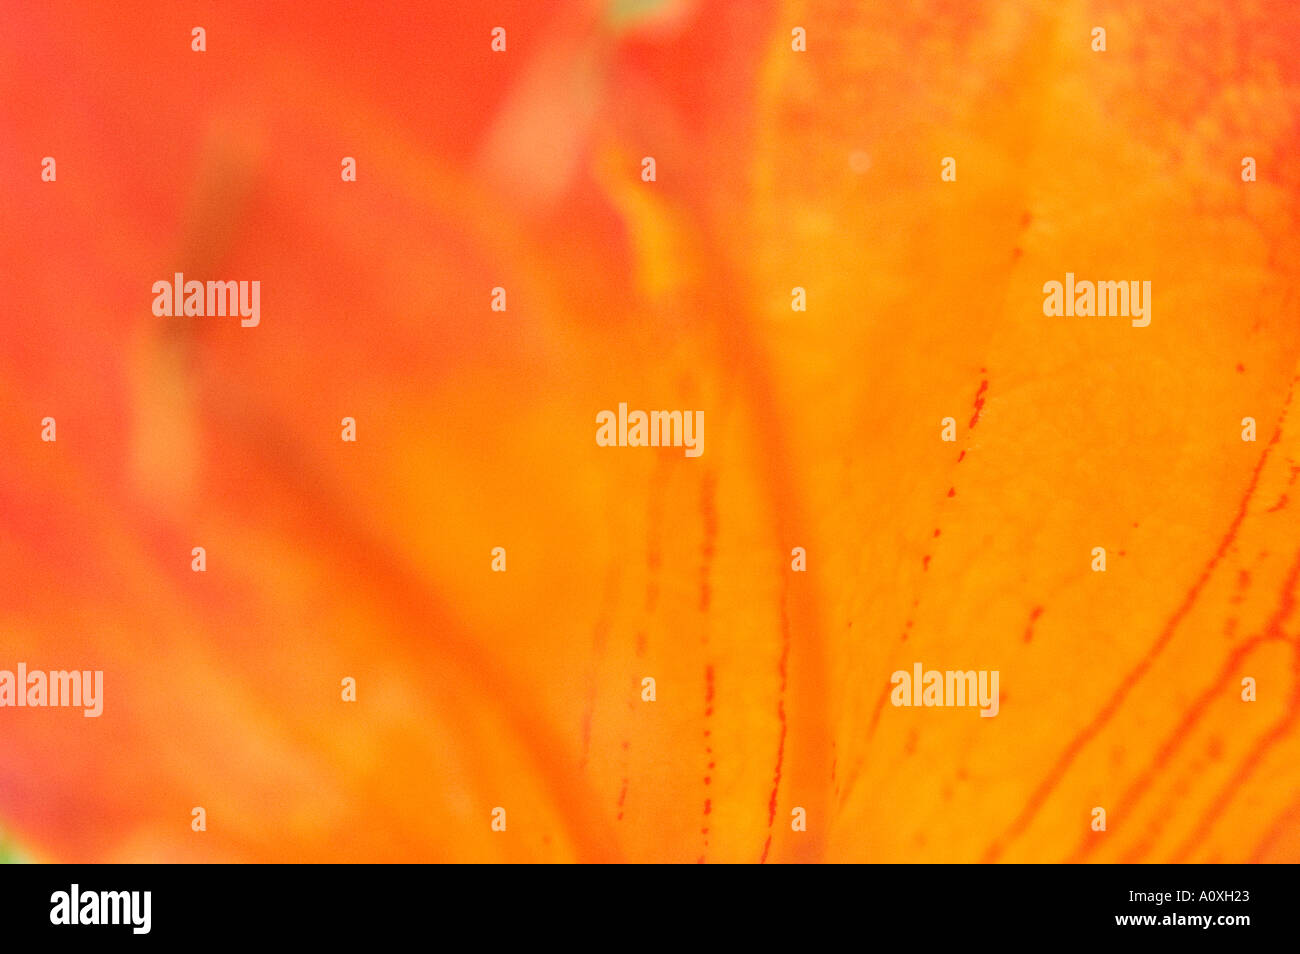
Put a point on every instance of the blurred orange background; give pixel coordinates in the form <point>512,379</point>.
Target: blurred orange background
<point>775,169</point>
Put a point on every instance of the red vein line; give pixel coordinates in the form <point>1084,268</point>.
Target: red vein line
<point>1284,820</point>
<point>1272,631</point>
<point>598,639</point>
<point>653,560</point>
<point>1247,766</point>
<point>1045,788</point>
<point>709,515</point>
<point>979,404</point>
<point>782,673</point>
<point>1036,612</point>
<point>978,407</point>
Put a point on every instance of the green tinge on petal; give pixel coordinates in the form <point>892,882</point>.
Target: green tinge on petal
<point>9,853</point>
<point>625,13</point>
